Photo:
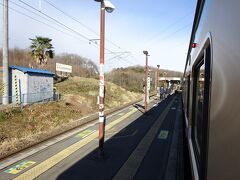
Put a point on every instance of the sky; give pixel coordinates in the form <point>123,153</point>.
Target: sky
<point>162,27</point>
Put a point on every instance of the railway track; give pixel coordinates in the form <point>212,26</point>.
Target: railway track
<point>70,127</point>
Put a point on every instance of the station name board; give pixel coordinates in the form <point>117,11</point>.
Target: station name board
<point>63,68</point>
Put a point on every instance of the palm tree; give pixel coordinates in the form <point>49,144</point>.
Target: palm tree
<point>42,49</point>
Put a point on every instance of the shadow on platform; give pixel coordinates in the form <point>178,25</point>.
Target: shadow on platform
<point>117,149</point>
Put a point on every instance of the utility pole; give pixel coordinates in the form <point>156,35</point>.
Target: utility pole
<point>146,81</point>
<point>5,54</point>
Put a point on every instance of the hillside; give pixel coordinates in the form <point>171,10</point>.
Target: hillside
<point>78,90</point>
<point>78,99</point>
<point>1,87</point>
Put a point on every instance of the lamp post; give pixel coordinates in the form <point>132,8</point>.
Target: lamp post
<point>158,88</point>
<point>165,83</point>
<point>146,78</point>
<point>105,5</point>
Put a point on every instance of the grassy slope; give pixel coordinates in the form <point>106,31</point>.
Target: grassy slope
<point>78,99</point>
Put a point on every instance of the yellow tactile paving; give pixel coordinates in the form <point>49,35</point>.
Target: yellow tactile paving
<point>52,161</point>
<point>20,167</point>
<point>85,133</point>
<point>130,167</point>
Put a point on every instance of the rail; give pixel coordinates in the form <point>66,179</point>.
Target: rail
<point>70,127</point>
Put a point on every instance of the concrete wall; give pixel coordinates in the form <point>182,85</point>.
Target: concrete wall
<point>40,88</point>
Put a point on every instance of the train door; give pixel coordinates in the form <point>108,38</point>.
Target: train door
<point>200,116</point>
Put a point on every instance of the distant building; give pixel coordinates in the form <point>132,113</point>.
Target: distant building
<point>30,85</point>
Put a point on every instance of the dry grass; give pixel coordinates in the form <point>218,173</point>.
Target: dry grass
<point>20,128</point>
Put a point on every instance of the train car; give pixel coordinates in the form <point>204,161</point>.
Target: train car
<point>211,91</point>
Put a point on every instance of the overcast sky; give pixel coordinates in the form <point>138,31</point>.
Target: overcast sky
<point>162,27</point>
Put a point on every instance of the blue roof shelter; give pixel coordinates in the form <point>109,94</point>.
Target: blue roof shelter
<point>30,85</point>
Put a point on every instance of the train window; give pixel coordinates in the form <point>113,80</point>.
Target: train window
<point>199,92</point>
<point>188,94</point>
<point>200,118</point>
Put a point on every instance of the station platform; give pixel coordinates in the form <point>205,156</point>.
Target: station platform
<point>138,145</point>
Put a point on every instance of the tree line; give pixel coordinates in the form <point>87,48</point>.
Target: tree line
<point>41,51</point>
<point>81,66</point>
<point>133,78</point>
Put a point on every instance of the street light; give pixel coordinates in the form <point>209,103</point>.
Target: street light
<point>146,77</point>
<point>109,7</point>
<point>165,83</point>
<point>158,88</point>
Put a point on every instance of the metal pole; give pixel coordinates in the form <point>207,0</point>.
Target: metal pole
<point>146,78</point>
<point>5,54</point>
<point>158,75</point>
<point>101,83</point>
<point>158,80</point>
<point>155,77</point>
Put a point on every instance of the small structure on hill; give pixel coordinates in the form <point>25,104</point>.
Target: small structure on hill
<point>30,85</point>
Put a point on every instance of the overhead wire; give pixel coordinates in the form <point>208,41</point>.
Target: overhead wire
<point>33,12</point>
<point>71,17</point>
<point>39,21</point>
<point>173,33</point>
<point>168,27</point>
<point>42,22</point>
<point>56,22</point>
<point>82,24</point>
<point>76,32</point>
<point>68,28</point>
<point>178,30</point>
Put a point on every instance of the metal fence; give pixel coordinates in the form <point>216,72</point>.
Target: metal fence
<point>30,98</point>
